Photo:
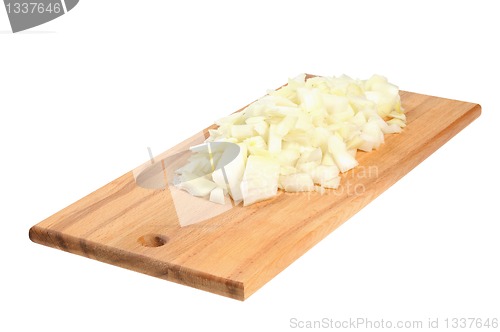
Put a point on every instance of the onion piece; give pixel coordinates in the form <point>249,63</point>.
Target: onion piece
<point>199,187</point>
<point>260,180</point>
<point>296,182</point>
<point>217,196</point>
<point>338,149</point>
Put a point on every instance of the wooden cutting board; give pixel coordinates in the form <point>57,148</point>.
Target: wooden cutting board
<point>238,251</point>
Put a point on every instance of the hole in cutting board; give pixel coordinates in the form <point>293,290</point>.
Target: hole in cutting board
<point>152,240</point>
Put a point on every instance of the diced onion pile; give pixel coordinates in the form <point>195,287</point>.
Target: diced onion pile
<point>298,138</point>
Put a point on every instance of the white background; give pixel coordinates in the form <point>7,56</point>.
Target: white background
<point>82,97</point>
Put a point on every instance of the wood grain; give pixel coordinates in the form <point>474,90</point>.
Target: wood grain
<point>237,252</point>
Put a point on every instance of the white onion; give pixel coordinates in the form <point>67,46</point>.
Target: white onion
<point>217,196</point>
<point>296,182</point>
<point>297,138</point>
<point>260,180</point>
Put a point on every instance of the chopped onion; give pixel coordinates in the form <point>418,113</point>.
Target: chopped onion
<point>297,138</point>
<point>296,182</point>
<point>217,196</point>
<point>260,180</point>
<point>199,187</point>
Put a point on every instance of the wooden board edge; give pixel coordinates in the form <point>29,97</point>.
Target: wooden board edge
<point>138,263</point>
